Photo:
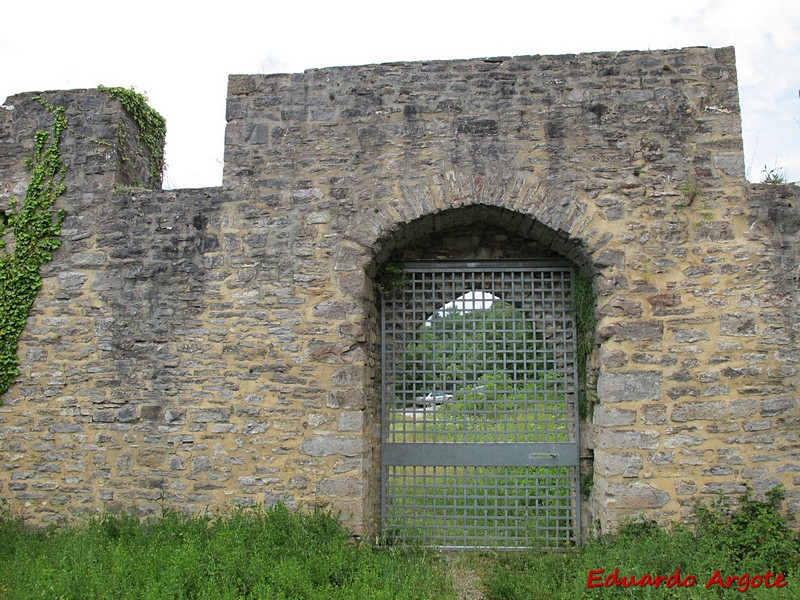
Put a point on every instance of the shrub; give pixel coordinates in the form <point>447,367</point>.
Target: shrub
<point>726,541</point>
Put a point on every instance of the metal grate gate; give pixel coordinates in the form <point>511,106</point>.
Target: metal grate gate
<point>479,414</point>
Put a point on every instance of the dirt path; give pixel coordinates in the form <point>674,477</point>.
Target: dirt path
<point>466,578</point>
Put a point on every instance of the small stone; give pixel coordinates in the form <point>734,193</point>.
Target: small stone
<point>737,324</point>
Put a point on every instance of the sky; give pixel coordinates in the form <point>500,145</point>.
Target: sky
<point>179,54</point>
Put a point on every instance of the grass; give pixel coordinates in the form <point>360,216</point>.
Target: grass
<point>498,410</point>
<point>278,554</point>
<point>740,542</point>
<point>261,554</point>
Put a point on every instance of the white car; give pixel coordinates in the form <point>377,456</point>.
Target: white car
<point>432,398</point>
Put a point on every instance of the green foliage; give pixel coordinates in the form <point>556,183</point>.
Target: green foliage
<point>459,349</point>
<point>755,531</point>
<point>390,277</point>
<point>271,553</point>
<point>690,191</point>
<point>499,410</point>
<point>29,233</point>
<point>152,128</point>
<point>585,324</point>
<point>774,176</point>
<point>747,539</point>
<point>500,393</point>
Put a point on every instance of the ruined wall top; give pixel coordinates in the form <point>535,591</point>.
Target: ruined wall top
<point>634,109</point>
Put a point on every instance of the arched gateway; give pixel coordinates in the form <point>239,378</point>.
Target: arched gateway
<point>375,311</point>
<point>479,384</point>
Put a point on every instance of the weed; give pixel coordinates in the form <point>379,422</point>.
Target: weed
<point>586,322</point>
<point>725,541</point>
<point>270,553</point>
<point>390,277</point>
<point>690,191</point>
<point>752,532</point>
<point>774,176</point>
<point>587,482</point>
<point>276,553</point>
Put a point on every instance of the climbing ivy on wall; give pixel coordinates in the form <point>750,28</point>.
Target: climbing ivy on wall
<point>585,325</point>
<point>152,128</point>
<point>29,233</point>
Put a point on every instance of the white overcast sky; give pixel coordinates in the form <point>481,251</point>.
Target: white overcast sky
<point>179,54</point>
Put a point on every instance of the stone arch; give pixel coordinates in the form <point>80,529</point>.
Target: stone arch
<point>526,205</point>
<point>467,228</point>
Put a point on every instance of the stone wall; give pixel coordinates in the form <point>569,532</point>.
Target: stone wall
<point>219,347</point>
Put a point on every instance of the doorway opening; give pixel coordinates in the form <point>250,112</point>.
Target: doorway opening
<point>479,407</point>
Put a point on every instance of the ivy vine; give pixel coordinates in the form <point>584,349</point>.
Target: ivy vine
<point>390,277</point>
<point>152,128</point>
<point>586,323</point>
<point>29,233</point>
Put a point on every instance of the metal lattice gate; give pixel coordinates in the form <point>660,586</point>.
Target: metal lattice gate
<point>479,414</point>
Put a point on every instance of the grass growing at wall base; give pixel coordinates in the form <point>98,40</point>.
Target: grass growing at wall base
<point>271,554</point>
<point>727,541</point>
<point>278,554</point>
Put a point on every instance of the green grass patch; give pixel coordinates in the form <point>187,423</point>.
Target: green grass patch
<point>258,554</point>
<point>498,410</point>
<point>279,554</point>
<point>728,552</point>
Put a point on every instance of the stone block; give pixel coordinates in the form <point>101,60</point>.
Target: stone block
<point>653,414</point>
<point>737,324</point>
<point>771,407</point>
<point>211,415</point>
<point>661,458</point>
<point>696,411</point>
<point>254,427</point>
<point>634,331</point>
<point>636,496</point>
<point>351,421</point>
<point>682,440</point>
<point>613,358</point>
<point>343,487</point>
<point>690,335</point>
<point>621,307</point>
<point>332,445</point>
<point>741,408</point>
<point>642,440</point>
<point>71,280</point>
<point>613,417</point>
<point>629,386</point>
<point>623,464</point>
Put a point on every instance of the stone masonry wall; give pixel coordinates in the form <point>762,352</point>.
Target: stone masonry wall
<point>219,347</point>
